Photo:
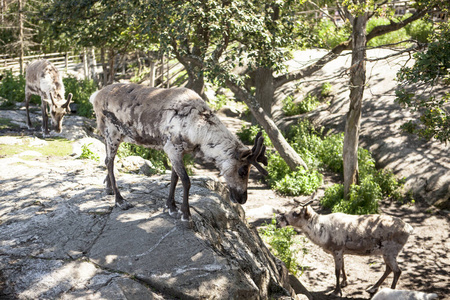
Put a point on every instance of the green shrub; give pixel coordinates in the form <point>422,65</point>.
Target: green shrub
<point>363,198</point>
<point>218,102</point>
<point>283,245</point>
<point>329,35</point>
<point>81,90</point>
<point>309,103</point>
<point>330,150</point>
<point>158,158</point>
<point>12,88</point>
<point>388,38</point>
<point>420,30</point>
<point>326,89</point>
<point>301,182</point>
<point>87,153</point>
<point>247,135</point>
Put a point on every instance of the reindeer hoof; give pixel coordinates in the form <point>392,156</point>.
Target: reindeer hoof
<point>174,213</point>
<point>372,290</point>
<point>336,293</point>
<point>187,223</point>
<point>124,205</point>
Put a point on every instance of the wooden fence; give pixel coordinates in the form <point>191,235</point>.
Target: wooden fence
<point>162,72</point>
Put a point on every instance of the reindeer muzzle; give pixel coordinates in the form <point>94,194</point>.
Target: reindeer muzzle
<point>282,221</point>
<point>237,197</point>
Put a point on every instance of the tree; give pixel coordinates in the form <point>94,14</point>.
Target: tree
<point>430,74</point>
<point>16,29</point>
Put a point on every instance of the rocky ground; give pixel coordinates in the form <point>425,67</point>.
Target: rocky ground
<point>425,260</point>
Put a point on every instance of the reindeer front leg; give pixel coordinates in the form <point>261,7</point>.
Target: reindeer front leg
<point>27,104</point>
<point>112,141</point>
<point>173,210</point>
<point>44,109</point>
<point>175,153</point>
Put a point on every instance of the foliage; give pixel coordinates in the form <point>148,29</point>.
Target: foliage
<point>420,30</point>
<point>326,89</point>
<point>363,198</point>
<point>326,151</point>
<point>300,182</point>
<point>309,103</point>
<point>430,70</point>
<point>388,38</point>
<point>327,35</point>
<point>87,153</point>
<point>12,88</point>
<point>81,90</point>
<point>158,158</point>
<point>247,135</point>
<point>218,101</point>
<point>283,244</point>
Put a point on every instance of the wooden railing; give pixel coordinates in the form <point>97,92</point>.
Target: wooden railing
<point>63,61</point>
<point>162,73</point>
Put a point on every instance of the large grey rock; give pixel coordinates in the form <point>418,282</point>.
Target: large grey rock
<point>61,238</point>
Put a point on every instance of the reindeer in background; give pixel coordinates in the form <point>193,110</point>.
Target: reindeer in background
<point>44,80</point>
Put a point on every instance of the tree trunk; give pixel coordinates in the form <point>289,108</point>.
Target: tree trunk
<point>21,36</point>
<point>264,89</point>
<point>104,66</point>
<point>285,150</point>
<point>111,66</point>
<point>352,124</point>
<point>196,82</point>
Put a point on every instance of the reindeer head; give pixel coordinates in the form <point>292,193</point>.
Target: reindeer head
<point>58,108</point>
<point>297,217</point>
<point>237,172</point>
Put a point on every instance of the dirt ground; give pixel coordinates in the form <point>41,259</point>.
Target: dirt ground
<point>425,260</point>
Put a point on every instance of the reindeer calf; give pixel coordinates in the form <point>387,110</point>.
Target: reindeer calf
<point>340,234</point>
<point>44,80</point>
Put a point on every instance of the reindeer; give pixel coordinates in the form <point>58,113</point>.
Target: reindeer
<point>44,80</point>
<point>340,234</point>
<point>177,121</point>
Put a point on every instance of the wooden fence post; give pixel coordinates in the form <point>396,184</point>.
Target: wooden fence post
<point>85,64</point>
<point>152,73</point>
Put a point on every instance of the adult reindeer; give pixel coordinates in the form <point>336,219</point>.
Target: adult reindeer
<point>44,80</point>
<point>177,121</point>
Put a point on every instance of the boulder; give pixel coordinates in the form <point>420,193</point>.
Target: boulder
<point>63,239</point>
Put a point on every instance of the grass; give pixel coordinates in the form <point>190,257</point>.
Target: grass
<point>54,147</point>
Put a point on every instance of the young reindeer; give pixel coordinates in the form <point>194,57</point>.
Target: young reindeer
<point>44,80</point>
<point>340,234</point>
<point>177,121</point>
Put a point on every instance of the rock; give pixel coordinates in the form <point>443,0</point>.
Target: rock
<point>62,239</point>
<point>137,165</point>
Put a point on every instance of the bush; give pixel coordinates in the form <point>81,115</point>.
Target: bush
<point>301,182</point>
<point>12,88</point>
<point>158,158</point>
<point>388,38</point>
<point>81,90</point>
<point>283,245</point>
<point>363,198</point>
<point>329,35</point>
<point>309,103</point>
<point>420,30</point>
<point>247,135</point>
<point>87,153</point>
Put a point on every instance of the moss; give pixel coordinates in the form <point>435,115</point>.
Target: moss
<point>53,147</point>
